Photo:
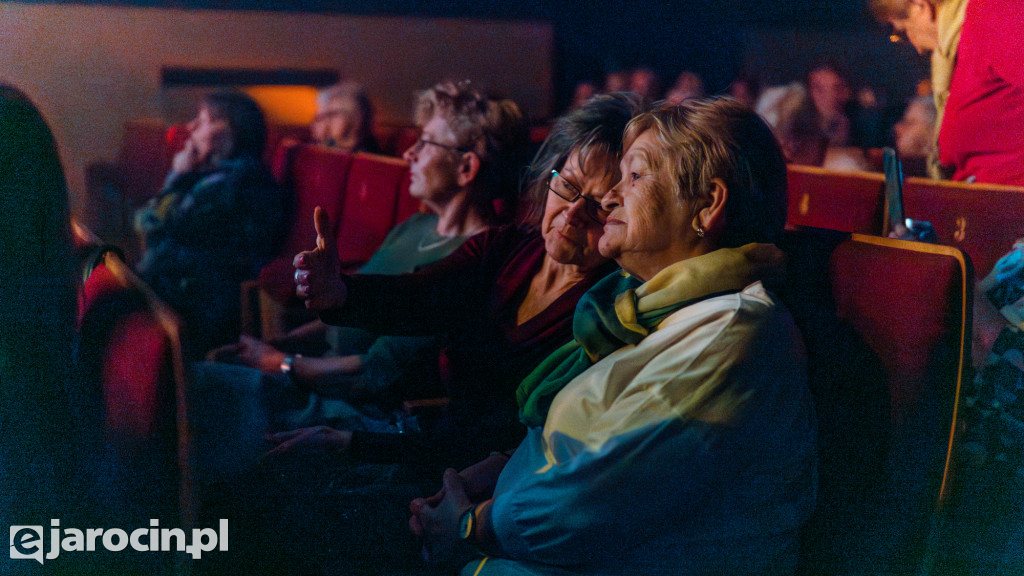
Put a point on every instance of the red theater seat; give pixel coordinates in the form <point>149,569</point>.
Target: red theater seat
<point>316,176</point>
<point>983,220</point>
<point>843,201</point>
<point>370,206</point>
<point>131,353</point>
<point>887,411</point>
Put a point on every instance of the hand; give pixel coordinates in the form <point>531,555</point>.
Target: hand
<point>186,159</point>
<point>915,231</point>
<point>480,479</point>
<point>318,271</point>
<point>437,519</point>
<point>322,440</point>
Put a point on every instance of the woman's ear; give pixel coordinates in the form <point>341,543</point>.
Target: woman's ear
<point>711,218</point>
<point>469,168</point>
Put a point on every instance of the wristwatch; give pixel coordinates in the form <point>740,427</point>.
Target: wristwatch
<point>467,523</point>
<point>288,363</point>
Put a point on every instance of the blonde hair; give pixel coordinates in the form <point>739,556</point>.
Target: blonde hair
<point>704,139</point>
<point>493,129</point>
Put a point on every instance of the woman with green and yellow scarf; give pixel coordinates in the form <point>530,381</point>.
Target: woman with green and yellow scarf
<point>675,433</point>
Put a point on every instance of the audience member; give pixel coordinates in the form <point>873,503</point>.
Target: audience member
<point>688,85</point>
<point>344,118</point>
<point>584,91</point>
<point>361,368</point>
<point>744,90</point>
<point>658,437</point>
<point>931,26</point>
<point>845,120</point>
<point>915,135</point>
<point>219,218</point>
<point>982,132</point>
<point>616,81</point>
<point>41,433</point>
<point>794,121</point>
<point>645,83</point>
<point>506,297</point>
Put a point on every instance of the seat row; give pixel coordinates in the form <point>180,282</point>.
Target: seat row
<point>983,220</point>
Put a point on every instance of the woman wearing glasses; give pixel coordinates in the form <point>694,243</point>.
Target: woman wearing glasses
<point>504,300</point>
<point>298,390</point>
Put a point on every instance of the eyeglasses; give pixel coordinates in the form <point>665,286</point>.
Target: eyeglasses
<point>421,142</point>
<point>569,192</point>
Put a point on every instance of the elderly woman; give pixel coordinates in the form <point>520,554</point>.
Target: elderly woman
<point>288,390</point>
<point>504,299</point>
<point>219,218</point>
<point>344,118</point>
<point>675,434</point>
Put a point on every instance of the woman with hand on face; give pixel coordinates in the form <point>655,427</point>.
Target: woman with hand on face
<point>675,434</point>
<point>504,299</point>
<point>219,218</point>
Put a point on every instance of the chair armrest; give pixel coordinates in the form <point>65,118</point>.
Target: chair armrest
<point>426,407</point>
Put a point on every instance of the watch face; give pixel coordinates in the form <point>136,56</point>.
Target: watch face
<point>466,524</point>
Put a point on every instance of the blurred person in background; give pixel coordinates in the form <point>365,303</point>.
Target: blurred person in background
<point>914,135</point>
<point>688,85</point>
<point>219,218</point>
<point>344,118</point>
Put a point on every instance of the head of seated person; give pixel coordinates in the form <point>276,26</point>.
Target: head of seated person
<point>696,177</point>
<point>344,118</point>
<point>229,125</point>
<point>470,151</point>
<point>915,132</point>
<point>794,121</point>
<point>575,166</point>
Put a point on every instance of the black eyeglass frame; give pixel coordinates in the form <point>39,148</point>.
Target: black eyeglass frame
<point>592,207</point>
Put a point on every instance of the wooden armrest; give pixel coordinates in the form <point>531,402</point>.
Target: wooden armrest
<point>426,406</point>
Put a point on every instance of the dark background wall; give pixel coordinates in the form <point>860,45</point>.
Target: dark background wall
<point>773,41</point>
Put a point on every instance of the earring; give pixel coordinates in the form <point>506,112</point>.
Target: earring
<point>700,231</point>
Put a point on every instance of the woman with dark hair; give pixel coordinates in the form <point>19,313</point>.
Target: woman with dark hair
<point>504,299</point>
<point>218,219</point>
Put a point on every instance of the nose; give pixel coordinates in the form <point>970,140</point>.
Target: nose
<point>410,153</point>
<point>612,199</point>
<point>577,211</point>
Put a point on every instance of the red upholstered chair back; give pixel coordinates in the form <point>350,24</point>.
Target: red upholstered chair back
<point>370,205</point>
<point>886,473</point>
<point>843,201</point>
<point>131,353</point>
<point>316,176</point>
<point>983,220</point>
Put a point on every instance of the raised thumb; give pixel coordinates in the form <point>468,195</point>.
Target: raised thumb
<point>322,223</point>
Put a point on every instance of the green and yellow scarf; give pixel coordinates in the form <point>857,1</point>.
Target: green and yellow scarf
<point>621,310</point>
